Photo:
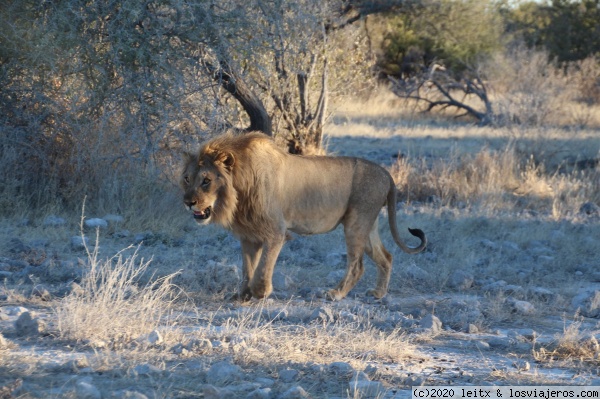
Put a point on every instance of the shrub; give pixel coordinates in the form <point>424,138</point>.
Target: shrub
<point>114,306</point>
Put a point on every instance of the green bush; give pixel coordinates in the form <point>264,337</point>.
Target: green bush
<point>455,33</point>
<point>568,30</point>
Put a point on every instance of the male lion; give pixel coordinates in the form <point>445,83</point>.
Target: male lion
<point>250,186</point>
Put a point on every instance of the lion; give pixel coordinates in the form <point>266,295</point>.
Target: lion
<point>252,187</point>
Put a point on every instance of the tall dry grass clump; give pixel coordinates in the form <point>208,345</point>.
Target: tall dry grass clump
<point>530,89</point>
<point>573,344</point>
<point>497,180</point>
<point>113,307</point>
<point>466,178</point>
<point>355,342</point>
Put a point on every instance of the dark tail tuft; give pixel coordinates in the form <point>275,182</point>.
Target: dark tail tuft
<point>419,234</point>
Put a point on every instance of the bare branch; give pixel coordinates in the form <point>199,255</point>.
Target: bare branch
<point>320,113</point>
<point>235,85</point>
<point>437,88</point>
<point>355,10</point>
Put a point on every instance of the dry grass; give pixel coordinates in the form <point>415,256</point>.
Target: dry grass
<point>263,340</point>
<point>496,181</point>
<point>456,179</point>
<point>574,344</point>
<point>113,307</point>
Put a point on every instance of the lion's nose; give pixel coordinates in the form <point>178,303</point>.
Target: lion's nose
<point>189,203</point>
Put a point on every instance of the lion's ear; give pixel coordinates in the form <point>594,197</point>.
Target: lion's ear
<point>226,159</point>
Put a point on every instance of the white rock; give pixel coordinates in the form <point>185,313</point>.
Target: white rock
<point>288,375</point>
<point>202,345</point>
<point>499,342</point>
<point>28,324</point>
<point>414,272</point>
<point>482,345</point>
<point>85,390</point>
<point>296,392</point>
<point>114,219</point>
<point>222,373</point>
<point>146,369</point>
<point>523,307</point>
<point>431,323</point>
<point>94,223</point>
<point>472,329</point>
<point>527,333</point>
<point>341,367</point>
<point>79,242</point>
<point>155,338</point>
<point>212,392</point>
<point>14,310</point>
<point>260,393</point>
<point>461,280</point>
<point>588,303</point>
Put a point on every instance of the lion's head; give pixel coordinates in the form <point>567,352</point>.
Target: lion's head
<point>207,183</point>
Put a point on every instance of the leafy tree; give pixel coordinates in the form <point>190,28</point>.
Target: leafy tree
<point>568,30</point>
<point>574,29</point>
<point>452,32</point>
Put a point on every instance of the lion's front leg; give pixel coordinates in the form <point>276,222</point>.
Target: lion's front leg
<point>261,284</point>
<point>251,252</point>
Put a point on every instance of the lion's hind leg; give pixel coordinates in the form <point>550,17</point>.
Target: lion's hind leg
<point>383,260</point>
<point>354,272</point>
<point>355,248</point>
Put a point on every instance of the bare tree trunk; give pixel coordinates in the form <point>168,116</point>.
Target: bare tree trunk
<point>306,127</point>
<point>235,85</point>
<point>321,112</point>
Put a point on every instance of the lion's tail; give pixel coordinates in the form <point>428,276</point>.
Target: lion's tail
<point>391,203</point>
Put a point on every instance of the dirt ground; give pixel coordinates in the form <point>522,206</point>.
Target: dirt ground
<point>504,298</point>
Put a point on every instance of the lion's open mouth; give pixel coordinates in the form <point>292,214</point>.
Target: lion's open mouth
<point>202,215</point>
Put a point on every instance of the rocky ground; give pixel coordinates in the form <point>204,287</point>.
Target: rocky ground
<point>496,299</point>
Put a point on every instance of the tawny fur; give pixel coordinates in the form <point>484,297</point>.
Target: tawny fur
<point>259,192</point>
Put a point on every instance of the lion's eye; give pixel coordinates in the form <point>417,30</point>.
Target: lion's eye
<point>186,179</point>
<point>206,181</point>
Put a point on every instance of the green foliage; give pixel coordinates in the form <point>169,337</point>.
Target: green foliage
<point>568,30</point>
<point>453,32</point>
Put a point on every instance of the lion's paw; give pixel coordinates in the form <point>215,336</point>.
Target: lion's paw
<point>241,296</point>
<point>262,291</point>
<point>334,295</point>
<point>378,294</point>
